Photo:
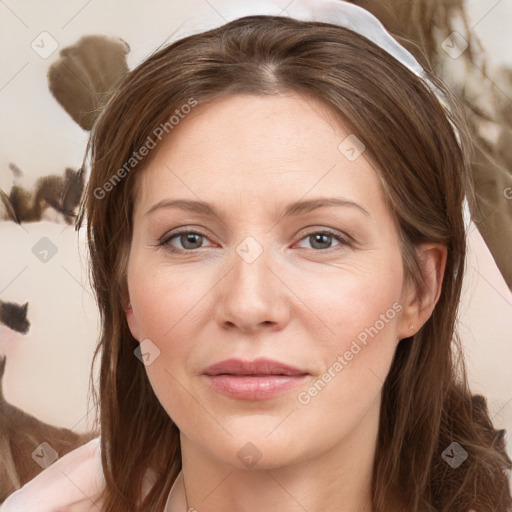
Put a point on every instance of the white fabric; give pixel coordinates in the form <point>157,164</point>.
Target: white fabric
<point>74,483</point>
<point>337,12</point>
<point>70,484</point>
<point>177,501</point>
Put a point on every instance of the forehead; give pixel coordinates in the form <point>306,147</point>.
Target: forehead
<point>258,149</point>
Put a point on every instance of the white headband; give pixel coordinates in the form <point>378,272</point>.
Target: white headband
<point>336,12</point>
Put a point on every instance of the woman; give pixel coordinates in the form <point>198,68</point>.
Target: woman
<point>301,356</point>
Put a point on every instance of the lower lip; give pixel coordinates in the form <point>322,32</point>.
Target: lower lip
<point>254,387</point>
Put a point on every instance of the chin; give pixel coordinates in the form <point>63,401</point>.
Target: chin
<point>251,447</point>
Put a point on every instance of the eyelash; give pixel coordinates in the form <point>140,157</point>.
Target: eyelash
<point>343,239</point>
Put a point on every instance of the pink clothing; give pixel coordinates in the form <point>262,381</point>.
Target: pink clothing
<point>70,484</point>
<point>73,484</point>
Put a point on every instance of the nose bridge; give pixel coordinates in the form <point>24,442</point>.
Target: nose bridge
<point>251,294</point>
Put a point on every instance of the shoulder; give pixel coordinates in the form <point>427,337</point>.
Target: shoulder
<point>75,480</point>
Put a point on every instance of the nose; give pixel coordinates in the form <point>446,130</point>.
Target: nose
<point>253,295</point>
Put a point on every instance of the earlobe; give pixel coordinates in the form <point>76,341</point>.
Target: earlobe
<point>127,305</point>
<point>419,302</point>
<point>130,317</point>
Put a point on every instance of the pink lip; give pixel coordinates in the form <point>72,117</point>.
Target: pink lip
<point>260,366</point>
<point>253,380</point>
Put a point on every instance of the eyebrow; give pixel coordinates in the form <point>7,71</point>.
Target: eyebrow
<point>291,209</point>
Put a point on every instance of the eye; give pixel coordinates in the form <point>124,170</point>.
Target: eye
<point>322,240</point>
<point>189,240</point>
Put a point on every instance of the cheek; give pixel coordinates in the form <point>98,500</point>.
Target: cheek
<point>351,300</point>
<point>359,311</point>
<point>163,299</point>
<point>162,307</point>
<point>168,309</point>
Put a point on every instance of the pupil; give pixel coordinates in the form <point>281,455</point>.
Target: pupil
<point>191,237</point>
<point>321,238</point>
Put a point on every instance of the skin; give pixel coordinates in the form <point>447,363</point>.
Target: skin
<point>302,301</point>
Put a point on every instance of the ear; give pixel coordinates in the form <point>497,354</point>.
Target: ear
<point>420,302</point>
<point>130,316</point>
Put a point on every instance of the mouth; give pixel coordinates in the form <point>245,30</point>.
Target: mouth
<point>260,366</point>
<point>253,380</point>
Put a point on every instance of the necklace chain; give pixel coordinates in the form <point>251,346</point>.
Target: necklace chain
<point>185,489</point>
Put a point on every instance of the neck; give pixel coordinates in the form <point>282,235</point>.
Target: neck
<point>338,479</point>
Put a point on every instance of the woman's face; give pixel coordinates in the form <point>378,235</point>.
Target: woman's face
<point>295,260</point>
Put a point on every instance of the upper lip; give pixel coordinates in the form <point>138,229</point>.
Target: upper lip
<point>260,366</point>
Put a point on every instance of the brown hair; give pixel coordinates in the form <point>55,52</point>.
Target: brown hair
<point>426,404</point>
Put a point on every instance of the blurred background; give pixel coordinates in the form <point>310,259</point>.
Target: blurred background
<point>44,263</point>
